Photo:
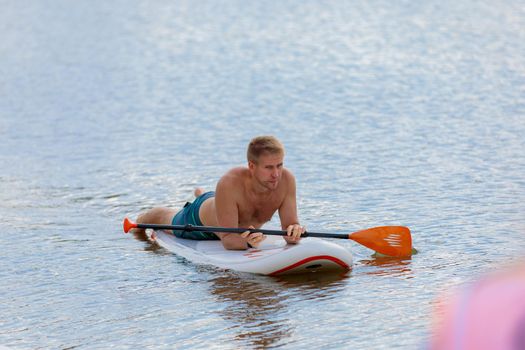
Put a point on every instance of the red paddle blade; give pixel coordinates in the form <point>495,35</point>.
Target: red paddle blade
<point>128,225</point>
<point>393,241</point>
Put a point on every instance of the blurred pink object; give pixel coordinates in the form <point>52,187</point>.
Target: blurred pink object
<point>489,314</point>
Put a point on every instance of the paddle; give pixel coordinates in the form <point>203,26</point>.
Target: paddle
<point>394,241</point>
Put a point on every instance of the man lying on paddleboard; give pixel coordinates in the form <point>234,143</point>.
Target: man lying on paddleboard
<point>244,197</point>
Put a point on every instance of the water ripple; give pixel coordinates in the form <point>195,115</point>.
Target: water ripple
<point>391,114</point>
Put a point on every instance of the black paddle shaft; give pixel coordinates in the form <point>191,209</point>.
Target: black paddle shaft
<point>190,228</point>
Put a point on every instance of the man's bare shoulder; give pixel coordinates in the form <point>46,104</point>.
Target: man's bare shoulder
<point>234,176</point>
<point>288,176</point>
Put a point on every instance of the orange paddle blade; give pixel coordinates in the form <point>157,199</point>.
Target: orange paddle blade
<point>393,241</point>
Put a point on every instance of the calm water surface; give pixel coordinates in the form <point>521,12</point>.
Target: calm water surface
<point>408,113</point>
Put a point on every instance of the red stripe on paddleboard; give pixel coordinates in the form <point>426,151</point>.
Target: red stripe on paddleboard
<point>312,258</point>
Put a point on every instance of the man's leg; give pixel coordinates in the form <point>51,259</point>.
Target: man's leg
<point>159,215</point>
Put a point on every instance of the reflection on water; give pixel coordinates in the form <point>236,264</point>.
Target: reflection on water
<point>141,236</point>
<point>254,308</point>
<point>388,266</point>
<point>258,306</point>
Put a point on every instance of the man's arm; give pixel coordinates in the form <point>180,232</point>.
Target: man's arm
<point>288,212</point>
<point>228,216</point>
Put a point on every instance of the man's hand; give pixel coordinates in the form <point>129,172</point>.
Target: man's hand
<point>253,239</point>
<point>293,233</point>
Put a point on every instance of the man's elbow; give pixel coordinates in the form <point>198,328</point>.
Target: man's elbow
<point>234,246</point>
<point>231,242</point>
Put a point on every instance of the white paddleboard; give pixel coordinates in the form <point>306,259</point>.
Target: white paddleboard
<point>273,257</point>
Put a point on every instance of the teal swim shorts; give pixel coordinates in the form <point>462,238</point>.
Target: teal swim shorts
<point>189,215</point>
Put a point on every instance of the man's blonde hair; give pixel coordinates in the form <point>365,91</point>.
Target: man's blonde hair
<point>263,144</point>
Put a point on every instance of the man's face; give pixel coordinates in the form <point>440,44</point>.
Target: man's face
<point>268,170</point>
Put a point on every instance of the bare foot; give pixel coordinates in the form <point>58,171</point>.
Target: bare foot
<point>198,191</point>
